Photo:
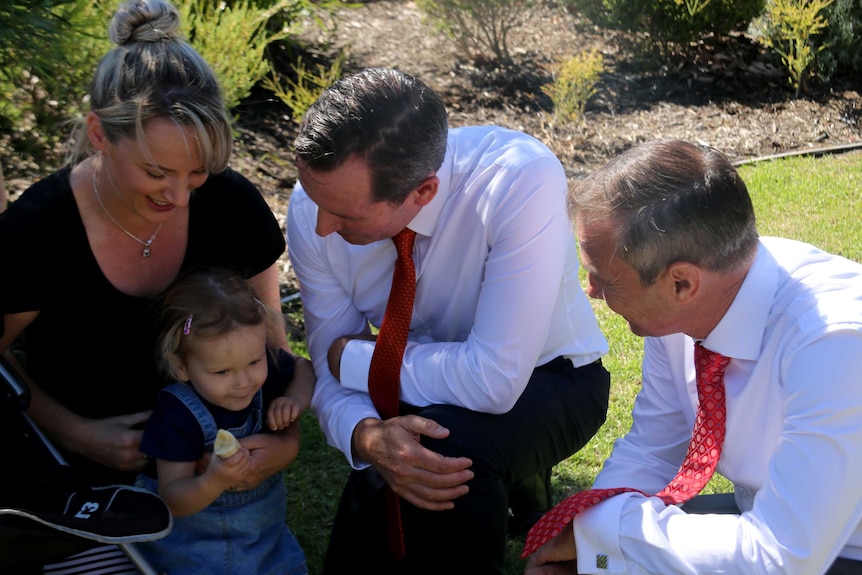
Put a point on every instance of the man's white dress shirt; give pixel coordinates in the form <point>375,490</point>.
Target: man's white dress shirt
<point>497,286</point>
<point>793,448</point>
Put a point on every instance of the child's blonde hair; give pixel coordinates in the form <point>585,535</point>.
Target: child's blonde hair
<point>205,304</point>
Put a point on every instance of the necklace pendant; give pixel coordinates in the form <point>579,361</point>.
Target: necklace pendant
<point>146,252</point>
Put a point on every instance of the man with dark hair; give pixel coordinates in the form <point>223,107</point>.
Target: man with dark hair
<point>668,238</point>
<point>501,377</point>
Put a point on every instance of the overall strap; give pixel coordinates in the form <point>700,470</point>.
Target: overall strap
<point>190,399</point>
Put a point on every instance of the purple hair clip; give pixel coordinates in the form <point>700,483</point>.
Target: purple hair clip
<point>188,327</point>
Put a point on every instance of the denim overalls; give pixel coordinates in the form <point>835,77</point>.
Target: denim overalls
<point>240,533</point>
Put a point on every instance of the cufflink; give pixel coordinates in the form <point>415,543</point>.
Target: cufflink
<point>601,561</point>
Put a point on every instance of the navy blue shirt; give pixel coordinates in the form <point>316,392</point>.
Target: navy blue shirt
<point>173,434</point>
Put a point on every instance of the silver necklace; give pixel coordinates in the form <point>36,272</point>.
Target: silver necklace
<point>146,244</point>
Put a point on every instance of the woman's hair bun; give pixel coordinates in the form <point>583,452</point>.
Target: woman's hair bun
<point>144,21</point>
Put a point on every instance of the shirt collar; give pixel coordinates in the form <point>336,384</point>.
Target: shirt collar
<point>739,334</point>
<point>426,220</point>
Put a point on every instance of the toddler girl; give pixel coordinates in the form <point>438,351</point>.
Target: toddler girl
<point>214,341</point>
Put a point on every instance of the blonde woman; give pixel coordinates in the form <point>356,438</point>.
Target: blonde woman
<point>147,194</point>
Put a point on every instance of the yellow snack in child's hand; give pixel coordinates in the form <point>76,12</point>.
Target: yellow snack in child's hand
<point>225,444</point>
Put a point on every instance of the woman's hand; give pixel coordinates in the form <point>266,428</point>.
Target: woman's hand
<point>113,442</point>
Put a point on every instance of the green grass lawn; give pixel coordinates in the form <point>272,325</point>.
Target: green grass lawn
<point>817,200</point>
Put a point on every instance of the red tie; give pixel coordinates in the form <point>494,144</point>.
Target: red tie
<point>697,468</point>
<point>384,374</point>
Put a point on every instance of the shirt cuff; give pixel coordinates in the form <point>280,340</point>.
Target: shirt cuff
<point>355,363</point>
<point>597,537</point>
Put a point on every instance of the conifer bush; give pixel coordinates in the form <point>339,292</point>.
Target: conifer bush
<point>48,53</point>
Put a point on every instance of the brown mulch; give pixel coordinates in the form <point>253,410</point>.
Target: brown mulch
<point>730,94</point>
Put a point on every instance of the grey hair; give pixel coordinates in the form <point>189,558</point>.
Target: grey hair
<point>670,201</point>
<point>153,73</point>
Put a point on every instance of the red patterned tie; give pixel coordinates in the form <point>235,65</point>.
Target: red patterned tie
<point>384,374</point>
<point>697,468</point>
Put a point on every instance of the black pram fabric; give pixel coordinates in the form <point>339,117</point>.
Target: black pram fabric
<point>46,513</point>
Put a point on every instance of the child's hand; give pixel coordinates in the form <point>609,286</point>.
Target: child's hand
<point>282,412</point>
<point>230,471</point>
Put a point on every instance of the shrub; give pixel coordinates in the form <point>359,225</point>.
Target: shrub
<point>693,7</point>
<point>233,39</point>
<point>842,39</point>
<point>479,26</point>
<point>665,21</point>
<point>574,84</point>
<point>48,52</point>
<point>234,36</point>
<point>787,27</point>
<point>27,26</point>
<point>301,93</point>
